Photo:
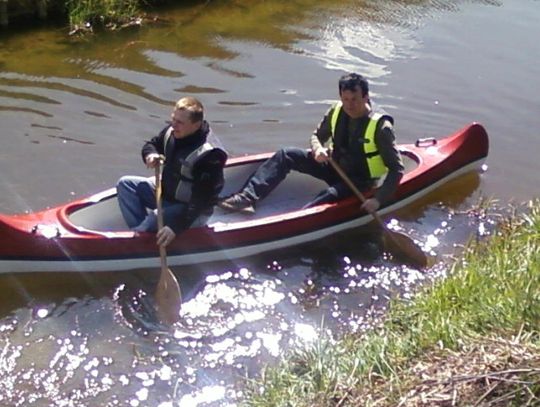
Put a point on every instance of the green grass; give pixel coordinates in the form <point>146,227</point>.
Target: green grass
<point>101,12</point>
<point>492,292</point>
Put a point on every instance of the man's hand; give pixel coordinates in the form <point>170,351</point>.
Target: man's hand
<point>165,236</point>
<point>152,160</point>
<point>371,205</point>
<point>321,155</point>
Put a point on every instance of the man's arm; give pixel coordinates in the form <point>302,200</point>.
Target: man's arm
<point>153,148</point>
<point>386,144</point>
<point>320,137</point>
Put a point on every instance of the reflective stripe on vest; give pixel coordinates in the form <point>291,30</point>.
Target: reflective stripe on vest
<point>184,188</point>
<point>373,158</point>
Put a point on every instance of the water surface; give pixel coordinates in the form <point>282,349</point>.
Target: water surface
<point>75,112</point>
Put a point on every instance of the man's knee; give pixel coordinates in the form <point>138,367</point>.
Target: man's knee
<point>129,180</point>
<point>122,184</point>
<point>292,152</point>
<point>293,156</point>
<point>280,154</point>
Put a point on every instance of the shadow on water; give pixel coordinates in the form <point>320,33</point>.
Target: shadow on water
<point>450,195</point>
<point>25,289</point>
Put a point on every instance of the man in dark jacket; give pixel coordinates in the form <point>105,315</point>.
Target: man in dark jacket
<point>192,175</point>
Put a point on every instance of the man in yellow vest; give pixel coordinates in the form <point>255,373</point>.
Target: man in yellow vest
<point>360,141</point>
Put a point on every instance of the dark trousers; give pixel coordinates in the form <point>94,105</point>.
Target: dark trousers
<point>275,169</point>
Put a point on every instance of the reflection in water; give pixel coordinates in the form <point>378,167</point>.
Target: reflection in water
<point>78,88</point>
<point>66,139</point>
<point>27,96</point>
<point>25,110</point>
<point>197,89</point>
<point>46,127</point>
<point>80,111</point>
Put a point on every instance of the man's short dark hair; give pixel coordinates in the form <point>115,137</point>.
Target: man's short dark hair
<point>353,81</point>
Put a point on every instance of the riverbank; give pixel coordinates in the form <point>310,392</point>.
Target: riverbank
<point>471,339</point>
<point>78,15</point>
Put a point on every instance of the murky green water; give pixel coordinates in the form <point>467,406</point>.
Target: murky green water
<point>75,112</point>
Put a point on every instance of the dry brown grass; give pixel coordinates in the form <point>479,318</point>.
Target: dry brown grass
<point>492,372</point>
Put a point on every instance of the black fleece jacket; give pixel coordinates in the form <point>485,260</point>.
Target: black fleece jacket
<point>208,177</point>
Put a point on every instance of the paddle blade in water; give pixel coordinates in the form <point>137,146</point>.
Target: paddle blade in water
<point>399,244</point>
<point>404,248</point>
<point>168,298</point>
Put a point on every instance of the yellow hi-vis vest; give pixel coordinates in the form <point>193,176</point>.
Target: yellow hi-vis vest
<point>371,154</point>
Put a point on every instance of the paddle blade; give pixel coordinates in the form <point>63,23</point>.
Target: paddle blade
<point>404,248</point>
<point>168,298</point>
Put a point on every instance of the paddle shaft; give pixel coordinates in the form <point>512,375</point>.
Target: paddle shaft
<point>168,294</point>
<point>353,188</point>
<point>159,205</point>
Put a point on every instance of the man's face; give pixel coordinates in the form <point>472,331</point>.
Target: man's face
<point>354,104</point>
<point>182,124</point>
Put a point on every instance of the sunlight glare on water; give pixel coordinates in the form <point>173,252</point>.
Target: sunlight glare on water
<point>207,394</point>
<point>239,319</point>
<point>74,116</point>
<point>306,333</point>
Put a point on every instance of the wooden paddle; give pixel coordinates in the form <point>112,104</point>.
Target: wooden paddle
<point>399,244</point>
<point>168,294</point>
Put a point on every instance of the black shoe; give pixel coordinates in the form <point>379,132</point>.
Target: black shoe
<point>237,203</point>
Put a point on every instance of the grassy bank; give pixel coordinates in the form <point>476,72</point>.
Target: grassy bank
<point>470,340</point>
<point>85,13</point>
<point>82,16</point>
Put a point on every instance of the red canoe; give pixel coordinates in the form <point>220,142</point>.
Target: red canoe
<point>90,235</point>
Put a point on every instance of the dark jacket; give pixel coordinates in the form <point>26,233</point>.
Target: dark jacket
<point>208,177</point>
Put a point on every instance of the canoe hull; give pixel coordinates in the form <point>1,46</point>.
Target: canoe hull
<point>72,237</point>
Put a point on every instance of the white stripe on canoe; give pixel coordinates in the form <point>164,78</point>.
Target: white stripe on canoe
<point>218,254</point>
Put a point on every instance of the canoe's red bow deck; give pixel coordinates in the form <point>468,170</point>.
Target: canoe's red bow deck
<point>438,159</point>
<point>89,235</point>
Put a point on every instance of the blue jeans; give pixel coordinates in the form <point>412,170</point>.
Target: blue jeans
<point>275,169</point>
<point>137,201</point>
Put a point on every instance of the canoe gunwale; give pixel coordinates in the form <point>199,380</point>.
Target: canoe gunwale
<point>78,248</point>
